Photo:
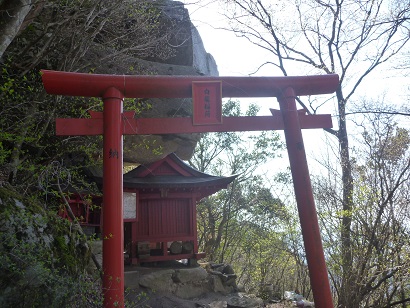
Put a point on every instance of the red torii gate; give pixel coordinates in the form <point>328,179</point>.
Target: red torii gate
<point>113,124</point>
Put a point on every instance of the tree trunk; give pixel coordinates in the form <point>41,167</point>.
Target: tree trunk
<point>12,16</point>
<point>346,296</point>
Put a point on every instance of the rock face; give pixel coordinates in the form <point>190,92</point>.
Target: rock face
<point>244,301</point>
<point>184,282</point>
<point>204,62</point>
<point>112,37</point>
<point>39,258</point>
<point>210,285</point>
<point>190,58</point>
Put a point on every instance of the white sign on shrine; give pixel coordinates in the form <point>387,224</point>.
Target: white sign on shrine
<point>130,205</point>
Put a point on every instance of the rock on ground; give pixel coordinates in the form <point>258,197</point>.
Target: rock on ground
<point>186,287</point>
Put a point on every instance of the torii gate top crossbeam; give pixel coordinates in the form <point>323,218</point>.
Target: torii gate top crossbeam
<point>90,85</point>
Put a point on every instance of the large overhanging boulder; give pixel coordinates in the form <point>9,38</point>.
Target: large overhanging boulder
<point>148,148</point>
<point>189,58</point>
<point>109,37</point>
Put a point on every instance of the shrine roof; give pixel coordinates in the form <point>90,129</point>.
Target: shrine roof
<point>172,172</point>
<point>177,181</point>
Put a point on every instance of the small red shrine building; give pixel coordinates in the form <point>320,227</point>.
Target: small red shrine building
<point>160,221</point>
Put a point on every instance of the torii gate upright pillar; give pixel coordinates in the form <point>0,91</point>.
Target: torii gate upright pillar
<point>112,230</point>
<point>305,202</point>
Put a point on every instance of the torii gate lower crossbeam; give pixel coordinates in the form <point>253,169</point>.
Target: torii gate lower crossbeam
<point>113,89</point>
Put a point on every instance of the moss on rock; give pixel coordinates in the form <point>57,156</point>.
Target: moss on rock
<point>42,258</point>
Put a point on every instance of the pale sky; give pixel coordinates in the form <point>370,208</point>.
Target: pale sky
<point>237,57</point>
<point>234,56</point>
